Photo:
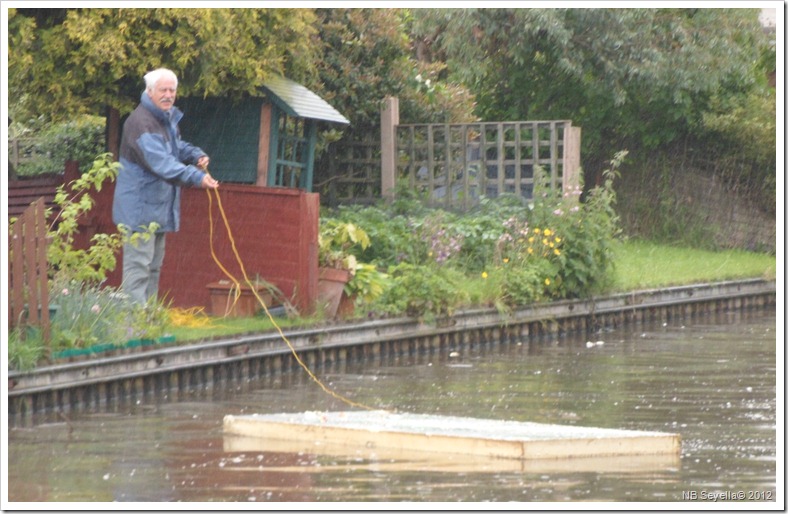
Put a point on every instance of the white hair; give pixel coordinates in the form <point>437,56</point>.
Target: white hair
<point>153,77</point>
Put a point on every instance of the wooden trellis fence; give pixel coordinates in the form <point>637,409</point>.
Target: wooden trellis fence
<point>29,289</point>
<point>450,165</point>
<point>350,172</point>
<point>454,165</point>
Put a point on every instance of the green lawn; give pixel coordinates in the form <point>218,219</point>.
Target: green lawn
<point>646,265</point>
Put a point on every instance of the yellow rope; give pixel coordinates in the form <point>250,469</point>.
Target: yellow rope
<point>237,288</point>
<point>260,300</point>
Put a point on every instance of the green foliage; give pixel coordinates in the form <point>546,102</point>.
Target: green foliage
<point>659,201</point>
<point>524,285</point>
<point>67,262</point>
<point>482,227</point>
<point>85,315</point>
<point>586,231</point>
<point>390,233</point>
<point>80,140</point>
<point>82,60</point>
<point>88,315</point>
<point>622,74</point>
<point>367,284</point>
<point>25,351</point>
<point>336,243</point>
<point>741,132</point>
<point>557,247</point>
<point>443,241</point>
<point>422,291</point>
<point>366,57</point>
<point>93,57</point>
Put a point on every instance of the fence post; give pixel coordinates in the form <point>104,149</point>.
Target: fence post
<point>389,119</point>
<point>571,164</point>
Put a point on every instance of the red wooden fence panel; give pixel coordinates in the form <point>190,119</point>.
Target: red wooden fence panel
<point>29,288</point>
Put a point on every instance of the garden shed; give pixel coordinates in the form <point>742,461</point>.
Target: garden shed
<point>262,152</point>
<point>266,141</point>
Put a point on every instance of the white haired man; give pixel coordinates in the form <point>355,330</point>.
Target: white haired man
<point>155,163</point>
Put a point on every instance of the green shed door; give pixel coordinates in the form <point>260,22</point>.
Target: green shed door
<point>229,132</point>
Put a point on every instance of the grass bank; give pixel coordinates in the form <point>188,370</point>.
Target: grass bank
<point>638,265</point>
<point>647,265</point>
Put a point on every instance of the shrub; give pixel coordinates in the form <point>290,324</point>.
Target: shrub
<point>391,234</point>
<point>420,291</point>
<point>587,231</point>
<point>523,285</point>
<point>481,228</point>
<point>77,140</point>
<point>367,284</point>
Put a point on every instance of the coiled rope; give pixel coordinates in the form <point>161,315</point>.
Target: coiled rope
<point>237,290</point>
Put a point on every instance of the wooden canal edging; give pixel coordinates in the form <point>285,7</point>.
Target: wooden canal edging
<point>101,383</point>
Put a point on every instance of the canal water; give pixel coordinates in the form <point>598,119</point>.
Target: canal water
<point>711,380</point>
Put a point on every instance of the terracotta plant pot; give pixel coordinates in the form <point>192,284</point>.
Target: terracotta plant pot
<point>223,296</point>
<point>330,285</point>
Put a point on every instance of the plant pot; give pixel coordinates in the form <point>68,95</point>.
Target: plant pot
<point>347,306</point>
<point>330,285</point>
<point>223,299</point>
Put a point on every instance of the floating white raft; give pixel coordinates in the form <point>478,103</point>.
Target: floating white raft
<point>402,433</point>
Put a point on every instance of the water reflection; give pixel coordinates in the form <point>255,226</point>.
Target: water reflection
<point>711,380</point>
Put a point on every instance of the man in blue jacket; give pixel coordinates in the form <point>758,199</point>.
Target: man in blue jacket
<point>155,163</point>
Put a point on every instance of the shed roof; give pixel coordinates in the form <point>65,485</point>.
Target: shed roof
<point>297,100</point>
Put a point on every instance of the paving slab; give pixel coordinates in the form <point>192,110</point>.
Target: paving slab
<point>425,433</point>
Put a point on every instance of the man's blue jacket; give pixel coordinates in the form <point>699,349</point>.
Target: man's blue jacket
<point>154,164</point>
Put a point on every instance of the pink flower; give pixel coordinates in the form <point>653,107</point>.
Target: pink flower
<point>96,309</point>
<point>64,292</point>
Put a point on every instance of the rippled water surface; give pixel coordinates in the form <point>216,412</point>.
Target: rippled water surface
<point>711,380</point>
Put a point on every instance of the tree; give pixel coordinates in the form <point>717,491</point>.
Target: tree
<point>366,56</point>
<point>642,75</point>
<point>68,61</point>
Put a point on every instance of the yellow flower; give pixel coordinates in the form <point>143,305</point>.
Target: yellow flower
<point>552,244</point>
<point>505,260</point>
<point>537,231</point>
<point>557,239</point>
<point>547,232</point>
<point>484,274</point>
<point>530,250</point>
<point>557,251</point>
<point>531,239</point>
<point>544,241</point>
<point>547,281</point>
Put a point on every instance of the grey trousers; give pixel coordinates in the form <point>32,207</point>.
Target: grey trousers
<point>142,267</point>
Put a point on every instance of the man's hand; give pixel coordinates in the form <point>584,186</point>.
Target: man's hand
<point>203,162</point>
<point>208,182</point>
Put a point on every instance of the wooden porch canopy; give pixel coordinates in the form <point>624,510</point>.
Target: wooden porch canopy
<point>292,115</point>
